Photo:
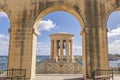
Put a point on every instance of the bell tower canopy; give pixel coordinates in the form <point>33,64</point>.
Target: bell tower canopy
<point>62,36</point>
<point>59,42</point>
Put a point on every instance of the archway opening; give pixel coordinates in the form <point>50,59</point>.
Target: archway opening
<point>58,21</point>
<point>114,39</point>
<point>4,40</point>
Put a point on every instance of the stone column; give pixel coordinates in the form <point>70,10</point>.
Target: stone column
<point>22,54</point>
<point>103,48</point>
<point>55,51</point>
<point>95,55</point>
<point>61,49</point>
<point>67,51</point>
<point>71,54</point>
<point>87,46</point>
<point>52,51</point>
<point>58,50</point>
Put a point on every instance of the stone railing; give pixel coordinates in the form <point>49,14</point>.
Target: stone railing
<point>102,74</point>
<point>13,74</point>
<point>59,68</point>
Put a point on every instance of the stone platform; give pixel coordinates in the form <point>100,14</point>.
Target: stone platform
<point>58,77</point>
<point>58,68</point>
<point>65,77</point>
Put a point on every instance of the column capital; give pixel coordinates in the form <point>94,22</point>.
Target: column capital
<point>67,40</point>
<point>85,30</point>
<point>71,41</point>
<point>51,40</point>
<point>61,40</point>
<point>9,30</point>
<point>35,32</point>
<point>23,30</point>
<point>103,29</point>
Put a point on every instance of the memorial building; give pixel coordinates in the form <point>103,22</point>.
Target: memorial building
<point>61,56</point>
<point>62,47</point>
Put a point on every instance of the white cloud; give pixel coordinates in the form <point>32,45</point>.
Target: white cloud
<point>43,48</point>
<point>114,40</point>
<point>77,49</point>
<point>46,25</point>
<point>4,44</point>
<point>114,32</point>
<point>114,47</point>
<point>2,14</point>
<point>4,37</point>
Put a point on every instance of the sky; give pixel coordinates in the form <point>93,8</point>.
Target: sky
<point>60,21</point>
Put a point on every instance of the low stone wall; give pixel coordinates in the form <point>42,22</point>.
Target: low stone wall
<point>59,68</point>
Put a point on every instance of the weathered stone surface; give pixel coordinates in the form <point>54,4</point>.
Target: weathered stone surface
<point>25,15</point>
<point>47,67</point>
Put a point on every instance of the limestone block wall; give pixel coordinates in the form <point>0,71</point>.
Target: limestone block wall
<point>20,48</point>
<point>59,68</point>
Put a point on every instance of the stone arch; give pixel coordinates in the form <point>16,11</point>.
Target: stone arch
<point>49,9</point>
<point>36,9</point>
<point>4,8</point>
<point>9,19</point>
<point>113,9</point>
<point>59,7</point>
<point>1,10</point>
<point>8,14</point>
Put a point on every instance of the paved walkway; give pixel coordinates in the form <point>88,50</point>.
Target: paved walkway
<point>64,77</point>
<point>58,77</point>
<point>117,77</point>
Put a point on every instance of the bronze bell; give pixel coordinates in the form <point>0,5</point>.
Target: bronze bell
<point>58,45</point>
<point>64,45</point>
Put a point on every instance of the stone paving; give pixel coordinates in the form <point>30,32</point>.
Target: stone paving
<point>58,77</point>
<point>64,77</point>
<point>117,77</point>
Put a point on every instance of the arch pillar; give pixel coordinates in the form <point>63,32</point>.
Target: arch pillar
<point>103,46</point>
<point>22,52</point>
<point>95,52</point>
<point>86,53</point>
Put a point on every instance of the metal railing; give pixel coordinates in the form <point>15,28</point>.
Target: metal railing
<point>13,74</point>
<point>102,74</point>
<point>118,68</point>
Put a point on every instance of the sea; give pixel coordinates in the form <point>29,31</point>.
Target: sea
<point>4,61</point>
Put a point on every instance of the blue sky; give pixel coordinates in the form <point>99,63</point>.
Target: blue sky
<point>61,22</point>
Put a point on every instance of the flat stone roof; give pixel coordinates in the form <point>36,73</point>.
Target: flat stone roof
<point>62,33</point>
